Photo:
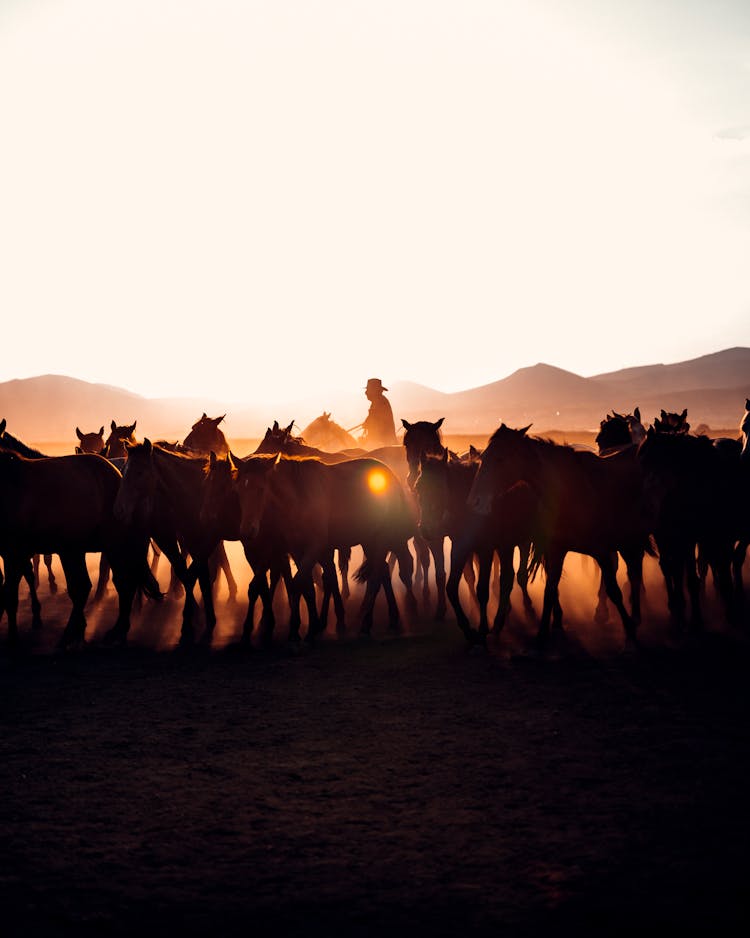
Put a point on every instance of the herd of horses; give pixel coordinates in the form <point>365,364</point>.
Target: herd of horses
<point>296,510</point>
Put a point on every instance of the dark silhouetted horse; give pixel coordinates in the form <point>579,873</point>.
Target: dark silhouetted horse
<point>205,437</point>
<point>91,442</point>
<point>670,422</point>
<point>442,489</point>
<point>14,445</point>
<point>691,490</point>
<point>114,447</point>
<point>64,505</point>
<point>306,509</point>
<point>161,497</point>
<point>587,503</point>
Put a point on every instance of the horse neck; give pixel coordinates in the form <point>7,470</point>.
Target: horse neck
<point>181,477</point>
<point>14,445</point>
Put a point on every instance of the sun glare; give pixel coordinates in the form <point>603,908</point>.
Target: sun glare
<point>377,481</point>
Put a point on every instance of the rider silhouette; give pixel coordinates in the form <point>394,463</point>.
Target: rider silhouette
<point>379,428</point>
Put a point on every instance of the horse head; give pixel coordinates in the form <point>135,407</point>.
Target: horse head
<point>205,437</point>
<point>509,457</point>
<point>252,483</point>
<point>421,439</point>
<point>115,448</point>
<point>136,496</point>
<point>91,442</point>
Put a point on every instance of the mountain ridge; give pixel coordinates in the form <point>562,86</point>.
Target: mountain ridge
<point>713,387</point>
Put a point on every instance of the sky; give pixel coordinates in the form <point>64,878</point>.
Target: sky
<point>261,200</point>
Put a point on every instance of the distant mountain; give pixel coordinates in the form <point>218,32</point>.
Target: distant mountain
<point>50,407</point>
<point>712,387</point>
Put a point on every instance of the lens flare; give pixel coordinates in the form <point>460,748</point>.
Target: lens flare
<point>377,481</point>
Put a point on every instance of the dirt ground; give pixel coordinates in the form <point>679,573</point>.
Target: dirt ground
<point>385,786</point>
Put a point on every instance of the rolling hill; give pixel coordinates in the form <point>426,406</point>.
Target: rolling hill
<point>712,387</point>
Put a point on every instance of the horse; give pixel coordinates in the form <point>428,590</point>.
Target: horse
<point>205,437</point>
<point>442,488</point>
<point>587,503</point>
<point>12,443</point>
<point>91,442</point>
<point>669,422</point>
<point>114,447</point>
<point>161,497</point>
<point>64,505</point>
<point>691,490</point>
<point>617,432</point>
<point>306,508</point>
<point>328,435</point>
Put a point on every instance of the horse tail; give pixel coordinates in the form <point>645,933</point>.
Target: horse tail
<point>363,573</point>
<point>148,583</point>
<point>536,560</point>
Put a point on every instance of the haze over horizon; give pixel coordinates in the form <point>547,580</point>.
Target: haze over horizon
<point>239,199</point>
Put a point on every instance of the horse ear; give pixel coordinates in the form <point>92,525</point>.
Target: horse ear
<point>203,416</point>
<point>663,414</point>
<point>438,424</point>
<point>405,424</point>
<point>524,430</point>
<point>113,426</point>
<point>3,425</point>
<point>79,451</point>
<point>288,429</point>
<point>275,425</point>
<point>637,414</point>
<point>212,460</point>
<point>747,403</point>
<point>217,420</point>
<point>132,428</point>
<point>79,434</point>
<point>684,413</point>
<point>147,447</point>
<point>101,430</point>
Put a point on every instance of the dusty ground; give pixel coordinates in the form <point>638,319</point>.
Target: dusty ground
<point>396,785</point>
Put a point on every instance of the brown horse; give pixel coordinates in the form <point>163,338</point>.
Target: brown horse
<point>13,444</point>
<point>670,422</point>
<point>306,508</point>
<point>114,447</point>
<point>205,437</point>
<point>693,491</point>
<point>64,505</point>
<point>161,497</point>
<point>328,435</point>
<point>442,488</point>
<point>588,504</point>
<point>91,442</point>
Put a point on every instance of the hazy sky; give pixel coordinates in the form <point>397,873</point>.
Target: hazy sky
<point>249,199</point>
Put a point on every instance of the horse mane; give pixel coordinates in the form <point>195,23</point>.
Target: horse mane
<point>14,445</point>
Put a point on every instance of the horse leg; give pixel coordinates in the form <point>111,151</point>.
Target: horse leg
<point>609,575</point>
<point>375,575</point>
<point>36,606</point>
<point>331,591</point>
<point>50,575</point>
<point>507,578</point>
<point>693,587</point>
<point>438,556</point>
<point>554,560</point>
<point>101,583</point>
<point>601,613</point>
<point>469,575</point>
<point>79,587</point>
<point>206,577</point>
<point>522,575</point>
<point>738,560</point>
<point>14,570</point>
<point>224,564</point>
<point>344,556</point>
<point>452,589</point>
<point>423,567</point>
<point>35,564</point>
<point>634,564</point>
<point>406,575</point>
<point>394,616</point>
